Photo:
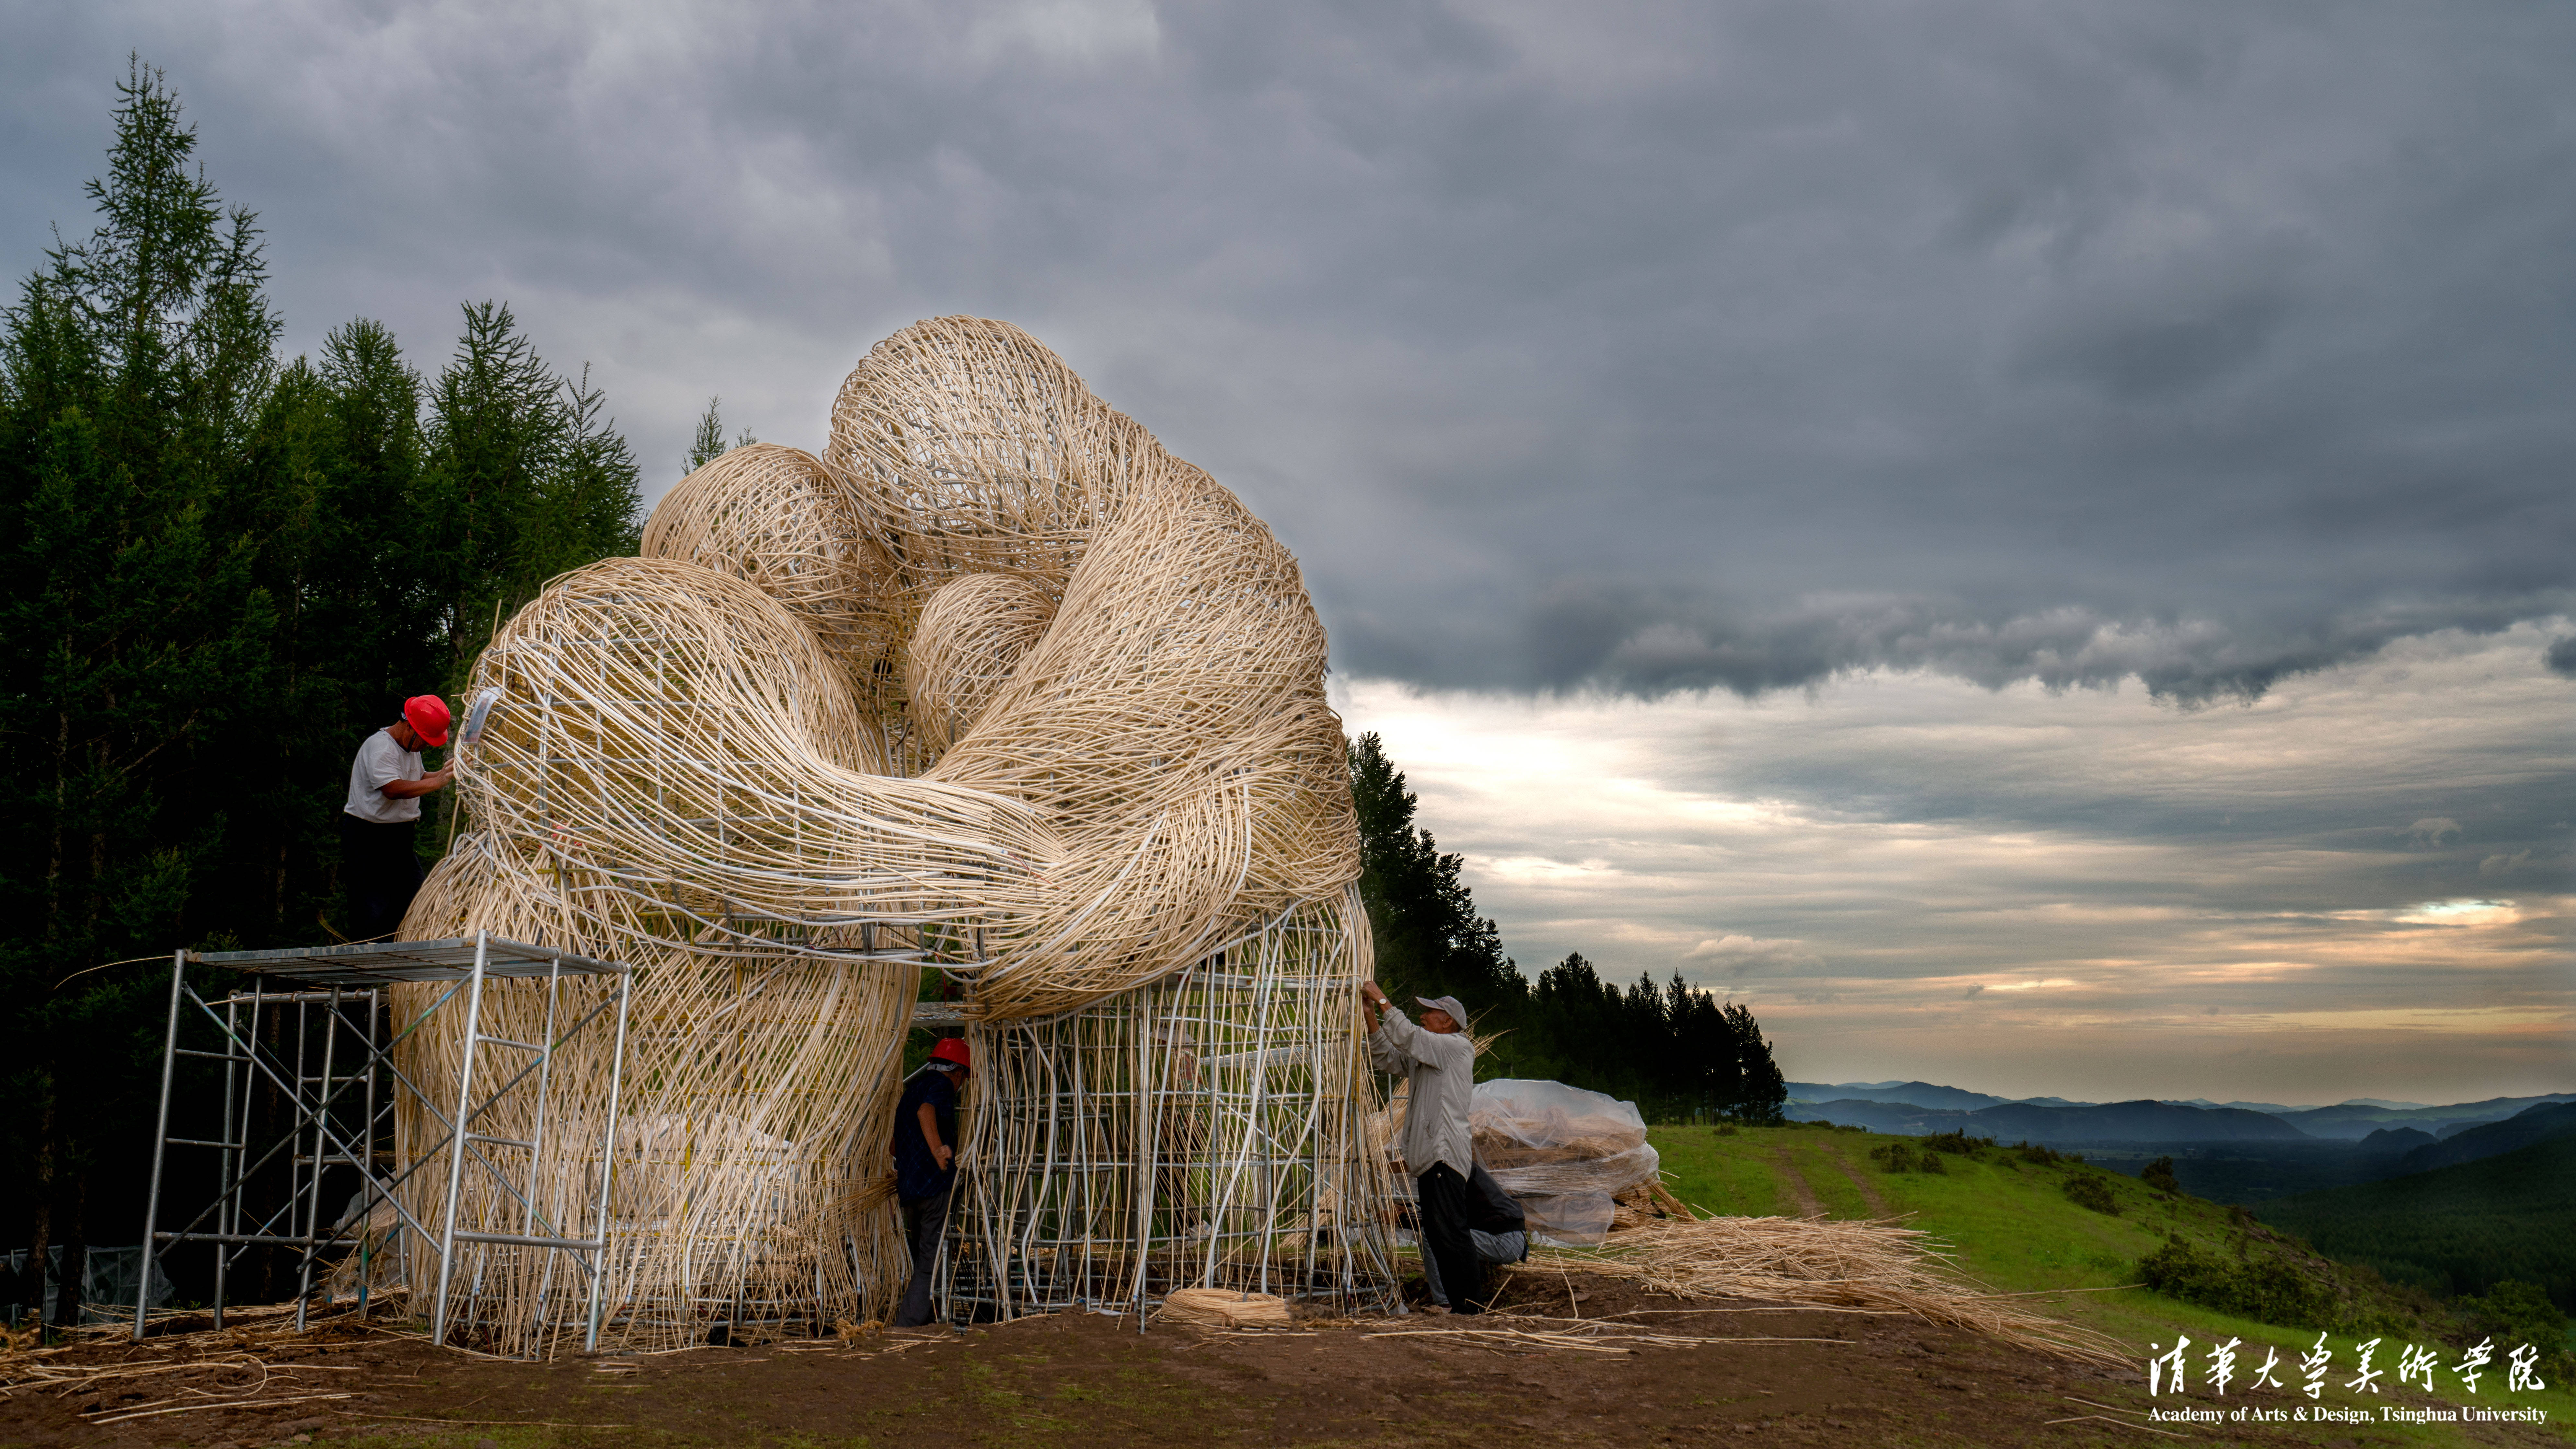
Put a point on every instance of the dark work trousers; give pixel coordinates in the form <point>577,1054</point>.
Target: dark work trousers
<point>924,1220</point>
<point>381,871</point>
<point>1442,1209</point>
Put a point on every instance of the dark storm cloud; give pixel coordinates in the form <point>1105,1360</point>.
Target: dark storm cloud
<point>1657,641</point>
<point>1651,347</point>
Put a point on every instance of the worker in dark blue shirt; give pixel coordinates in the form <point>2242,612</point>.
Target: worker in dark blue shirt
<point>925,1166</point>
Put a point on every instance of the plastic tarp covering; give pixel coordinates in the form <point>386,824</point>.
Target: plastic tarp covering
<point>1569,1219</point>
<point>1563,1152</point>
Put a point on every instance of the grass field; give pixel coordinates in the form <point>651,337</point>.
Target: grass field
<point>2010,1226</point>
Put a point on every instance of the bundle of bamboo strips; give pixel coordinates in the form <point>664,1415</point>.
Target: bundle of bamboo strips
<point>1224,1308</point>
<point>239,1369</point>
<point>1819,1261</point>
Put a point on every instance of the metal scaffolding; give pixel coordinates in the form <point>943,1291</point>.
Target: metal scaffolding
<point>329,1007</point>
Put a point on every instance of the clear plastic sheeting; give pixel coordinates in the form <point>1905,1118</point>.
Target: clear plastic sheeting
<point>108,1283</point>
<point>1564,1152</point>
<point>1569,1219</point>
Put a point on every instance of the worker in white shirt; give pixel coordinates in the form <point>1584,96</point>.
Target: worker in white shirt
<point>378,860</point>
<point>1439,1063</point>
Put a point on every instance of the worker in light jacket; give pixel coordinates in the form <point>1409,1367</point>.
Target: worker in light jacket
<point>1439,1065</point>
<point>378,860</point>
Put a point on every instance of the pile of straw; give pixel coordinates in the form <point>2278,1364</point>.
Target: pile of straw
<point>1224,1308</point>
<point>1877,1266</point>
<point>248,1367</point>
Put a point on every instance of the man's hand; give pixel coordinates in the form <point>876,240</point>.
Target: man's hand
<point>414,789</point>
<point>940,1151</point>
<point>1370,993</point>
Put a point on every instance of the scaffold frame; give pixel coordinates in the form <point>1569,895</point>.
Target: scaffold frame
<point>340,997</point>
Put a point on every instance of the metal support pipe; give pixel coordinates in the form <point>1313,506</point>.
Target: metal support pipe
<point>160,1139</point>
<point>456,1137</point>
<point>537,1136</point>
<point>524,1240</point>
<point>321,1113</point>
<point>228,1201</point>
<point>367,1166</point>
<point>284,1240</point>
<point>608,1161</point>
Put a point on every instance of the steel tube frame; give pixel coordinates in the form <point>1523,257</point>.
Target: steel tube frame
<point>314,1142</point>
<point>160,1142</point>
<point>456,1135</point>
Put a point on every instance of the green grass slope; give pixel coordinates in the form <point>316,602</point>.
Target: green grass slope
<point>2455,1229</point>
<point>2010,1225</point>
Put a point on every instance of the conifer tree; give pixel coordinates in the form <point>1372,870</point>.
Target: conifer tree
<point>707,444</point>
<point>1429,939</point>
<point>1676,1050</point>
<point>228,568</point>
<point>133,627</point>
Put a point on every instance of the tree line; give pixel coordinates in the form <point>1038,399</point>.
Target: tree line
<point>1678,1051</point>
<point>231,566</point>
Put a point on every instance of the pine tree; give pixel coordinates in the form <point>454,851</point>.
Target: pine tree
<point>524,479</point>
<point>228,571</point>
<point>134,632</point>
<point>1675,1049</point>
<point>707,444</point>
<point>1429,939</point>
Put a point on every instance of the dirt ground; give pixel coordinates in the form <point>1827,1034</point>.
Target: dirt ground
<point>1089,1379</point>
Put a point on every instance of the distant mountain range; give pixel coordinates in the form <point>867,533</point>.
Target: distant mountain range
<point>2081,1122</point>
<point>2376,1125</point>
<point>2532,1124</point>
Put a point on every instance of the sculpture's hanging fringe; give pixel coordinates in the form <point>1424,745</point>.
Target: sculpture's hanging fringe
<point>1198,1133</point>
<point>996,687</point>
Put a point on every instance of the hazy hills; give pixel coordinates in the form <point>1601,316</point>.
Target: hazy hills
<point>2142,1121</point>
<point>2458,1228</point>
<point>2531,1125</point>
<point>1921,1108</point>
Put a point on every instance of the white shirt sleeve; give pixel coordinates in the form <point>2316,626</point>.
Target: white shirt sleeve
<point>380,762</point>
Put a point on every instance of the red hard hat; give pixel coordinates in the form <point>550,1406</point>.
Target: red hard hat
<point>427,715</point>
<point>950,1049</point>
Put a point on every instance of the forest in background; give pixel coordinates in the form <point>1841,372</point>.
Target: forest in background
<point>231,566</point>
<point>1679,1052</point>
<point>2457,1229</point>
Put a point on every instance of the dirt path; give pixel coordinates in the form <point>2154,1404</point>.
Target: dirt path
<point>1878,1207</point>
<point>1792,1376</point>
<point>1809,1205</point>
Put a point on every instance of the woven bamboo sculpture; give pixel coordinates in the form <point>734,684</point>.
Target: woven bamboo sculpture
<point>996,688</point>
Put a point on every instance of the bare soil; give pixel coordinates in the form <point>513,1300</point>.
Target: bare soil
<point>1089,1380</point>
<point>1809,1205</point>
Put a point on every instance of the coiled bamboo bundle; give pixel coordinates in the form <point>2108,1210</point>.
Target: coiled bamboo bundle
<point>783,520</point>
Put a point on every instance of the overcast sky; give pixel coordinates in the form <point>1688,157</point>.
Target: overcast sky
<point>2025,540</point>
